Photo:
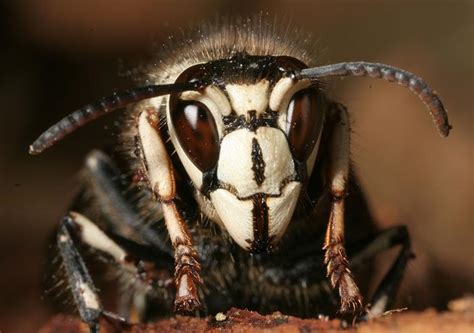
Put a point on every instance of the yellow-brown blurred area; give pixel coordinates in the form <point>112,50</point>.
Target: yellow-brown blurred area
<point>57,55</point>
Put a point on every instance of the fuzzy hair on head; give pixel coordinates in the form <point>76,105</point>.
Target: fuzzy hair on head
<point>223,38</point>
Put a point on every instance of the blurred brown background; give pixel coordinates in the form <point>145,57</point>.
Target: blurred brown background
<point>57,55</point>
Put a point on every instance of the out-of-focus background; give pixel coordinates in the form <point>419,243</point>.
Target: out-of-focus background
<point>57,55</point>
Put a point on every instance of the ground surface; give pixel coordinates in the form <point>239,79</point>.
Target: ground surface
<point>459,318</point>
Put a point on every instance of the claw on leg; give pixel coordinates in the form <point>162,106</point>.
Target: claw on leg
<point>341,278</point>
<point>187,277</point>
<point>187,300</point>
<point>351,300</point>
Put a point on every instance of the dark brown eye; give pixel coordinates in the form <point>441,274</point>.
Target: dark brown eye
<point>197,133</point>
<point>304,122</point>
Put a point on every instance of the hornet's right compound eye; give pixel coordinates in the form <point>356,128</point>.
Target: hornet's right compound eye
<point>197,133</point>
<point>304,123</point>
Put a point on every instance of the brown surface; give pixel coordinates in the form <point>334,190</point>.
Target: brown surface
<point>460,319</point>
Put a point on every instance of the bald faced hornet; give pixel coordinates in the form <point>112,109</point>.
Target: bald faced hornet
<point>231,185</point>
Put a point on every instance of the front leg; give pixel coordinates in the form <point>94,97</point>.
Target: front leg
<point>335,253</point>
<point>162,182</point>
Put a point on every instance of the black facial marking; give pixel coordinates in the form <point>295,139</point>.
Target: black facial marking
<point>210,182</point>
<point>234,122</point>
<point>252,119</point>
<point>261,242</point>
<point>258,164</point>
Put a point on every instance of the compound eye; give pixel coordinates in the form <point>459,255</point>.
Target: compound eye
<point>197,133</point>
<point>304,123</point>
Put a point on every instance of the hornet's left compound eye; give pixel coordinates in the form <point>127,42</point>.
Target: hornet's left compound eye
<point>197,133</point>
<point>304,123</point>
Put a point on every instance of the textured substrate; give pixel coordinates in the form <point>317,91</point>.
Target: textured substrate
<point>460,318</point>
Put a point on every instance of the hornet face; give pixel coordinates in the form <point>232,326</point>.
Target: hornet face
<point>248,141</point>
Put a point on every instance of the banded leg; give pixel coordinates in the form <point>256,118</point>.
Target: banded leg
<point>162,182</point>
<point>384,296</point>
<point>83,289</point>
<point>335,254</point>
<point>82,286</point>
<point>76,229</point>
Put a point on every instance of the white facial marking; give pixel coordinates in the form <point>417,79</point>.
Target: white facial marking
<point>212,95</point>
<point>280,210</point>
<point>277,156</point>
<point>249,97</point>
<point>219,98</point>
<point>96,238</point>
<point>235,161</point>
<point>236,215</point>
<point>89,297</point>
<point>283,91</point>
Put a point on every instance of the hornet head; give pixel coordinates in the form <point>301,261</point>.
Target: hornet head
<point>248,140</point>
